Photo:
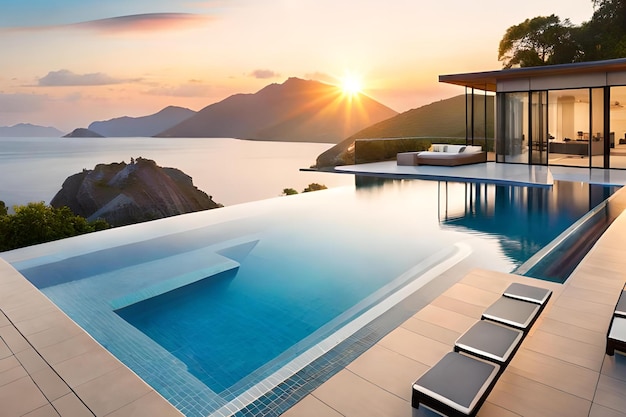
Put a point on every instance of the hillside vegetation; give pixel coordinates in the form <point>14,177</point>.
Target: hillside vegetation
<point>418,127</point>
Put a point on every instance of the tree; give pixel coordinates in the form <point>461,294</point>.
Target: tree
<point>289,191</point>
<point>604,36</point>
<point>314,187</point>
<point>37,223</point>
<point>542,40</point>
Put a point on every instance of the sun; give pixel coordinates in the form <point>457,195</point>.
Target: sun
<point>351,85</point>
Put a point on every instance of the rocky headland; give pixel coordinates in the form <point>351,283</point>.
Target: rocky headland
<point>124,194</point>
<point>81,132</point>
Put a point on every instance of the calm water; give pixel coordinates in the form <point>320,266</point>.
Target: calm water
<point>245,289</point>
<point>232,171</point>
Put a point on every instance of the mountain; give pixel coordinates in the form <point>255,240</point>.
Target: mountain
<point>81,132</point>
<point>23,130</point>
<point>441,119</point>
<point>124,194</point>
<point>295,111</point>
<point>142,126</point>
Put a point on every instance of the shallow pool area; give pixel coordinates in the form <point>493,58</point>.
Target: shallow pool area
<point>207,306</point>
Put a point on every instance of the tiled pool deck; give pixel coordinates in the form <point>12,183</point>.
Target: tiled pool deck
<point>50,367</point>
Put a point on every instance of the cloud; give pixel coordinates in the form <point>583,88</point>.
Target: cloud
<point>148,22</point>
<point>68,78</point>
<point>264,74</point>
<point>22,103</point>
<point>193,89</point>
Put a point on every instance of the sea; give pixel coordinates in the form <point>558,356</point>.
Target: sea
<point>232,171</point>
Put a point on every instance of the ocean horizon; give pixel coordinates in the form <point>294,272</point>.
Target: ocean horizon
<point>232,171</point>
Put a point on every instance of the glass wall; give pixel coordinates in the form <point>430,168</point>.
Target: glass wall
<point>513,122</point>
<point>617,127</point>
<point>597,125</point>
<point>563,127</point>
<point>539,128</point>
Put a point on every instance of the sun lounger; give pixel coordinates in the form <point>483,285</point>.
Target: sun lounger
<point>512,312</point>
<point>616,338</point>
<point>528,293</point>
<point>461,381</point>
<point>491,341</point>
<point>456,386</point>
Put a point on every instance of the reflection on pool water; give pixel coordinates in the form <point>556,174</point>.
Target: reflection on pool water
<point>205,306</point>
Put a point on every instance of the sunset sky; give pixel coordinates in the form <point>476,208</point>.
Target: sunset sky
<point>70,62</point>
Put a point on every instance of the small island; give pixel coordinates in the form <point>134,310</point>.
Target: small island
<point>81,132</point>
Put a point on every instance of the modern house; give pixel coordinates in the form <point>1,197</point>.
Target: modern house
<point>570,114</point>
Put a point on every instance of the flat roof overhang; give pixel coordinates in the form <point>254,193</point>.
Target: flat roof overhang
<point>488,80</point>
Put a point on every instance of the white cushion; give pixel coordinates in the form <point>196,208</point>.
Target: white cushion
<point>438,148</point>
<point>473,149</point>
<point>455,148</point>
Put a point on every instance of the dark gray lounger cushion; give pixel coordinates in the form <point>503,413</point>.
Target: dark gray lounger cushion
<point>458,381</point>
<point>620,309</point>
<point>490,340</point>
<point>512,312</point>
<point>528,293</point>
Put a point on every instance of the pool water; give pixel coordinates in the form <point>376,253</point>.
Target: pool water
<point>207,305</point>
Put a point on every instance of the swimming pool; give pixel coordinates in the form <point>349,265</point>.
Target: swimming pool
<point>210,308</point>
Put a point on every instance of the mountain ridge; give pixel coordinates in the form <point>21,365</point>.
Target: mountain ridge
<point>23,130</point>
<point>297,111</point>
<point>143,126</point>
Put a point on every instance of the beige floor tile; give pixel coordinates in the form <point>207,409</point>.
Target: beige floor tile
<point>470,310</point>
<point>8,363</point>
<point>14,340</point>
<point>45,411</point>
<point>433,331</point>
<point>351,395</point>
<point>50,384</point>
<point>80,369</point>
<point>472,295</point>
<point>37,308</point>
<point>44,321</point>
<point>3,320</point>
<point>572,331</point>
<point>442,317</point>
<point>591,283</point>
<point>20,397</point>
<point>12,374</point>
<point>567,377</point>
<point>415,346</point>
<point>590,295</point>
<point>70,348</point>
<point>611,393</point>
<point>565,349</point>
<point>584,306</point>
<point>598,410</point>
<point>60,332</point>
<point>593,322</point>
<point>151,404</point>
<point>491,410</point>
<point>5,352</point>
<point>488,282</point>
<point>71,406</point>
<point>112,391</point>
<point>310,406</point>
<point>529,398</point>
<point>31,361</point>
<point>389,370</point>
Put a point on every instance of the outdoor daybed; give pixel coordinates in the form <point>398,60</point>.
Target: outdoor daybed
<point>444,155</point>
